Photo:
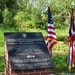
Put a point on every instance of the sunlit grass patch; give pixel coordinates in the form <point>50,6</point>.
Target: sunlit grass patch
<point>1,51</point>
<point>62,34</point>
<point>61,48</point>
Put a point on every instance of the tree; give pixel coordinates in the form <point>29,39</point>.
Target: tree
<point>61,10</point>
<point>11,4</point>
<point>2,6</point>
<point>33,13</point>
<point>8,18</point>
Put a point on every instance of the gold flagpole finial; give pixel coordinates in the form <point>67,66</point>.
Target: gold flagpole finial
<point>69,68</point>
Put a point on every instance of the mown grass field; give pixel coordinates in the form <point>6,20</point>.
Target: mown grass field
<point>60,50</point>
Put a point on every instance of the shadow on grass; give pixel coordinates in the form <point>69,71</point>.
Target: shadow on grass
<point>2,63</point>
<point>62,37</point>
<point>60,62</point>
<point>60,65</point>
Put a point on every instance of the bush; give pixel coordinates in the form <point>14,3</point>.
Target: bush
<point>8,18</point>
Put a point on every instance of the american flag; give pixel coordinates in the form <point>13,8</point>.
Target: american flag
<point>51,34</point>
<point>71,38</point>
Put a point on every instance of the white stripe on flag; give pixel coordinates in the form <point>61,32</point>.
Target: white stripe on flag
<point>52,35</point>
<point>73,32</point>
<point>52,30</point>
<point>50,25</point>
<point>46,41</point>
<point>70,63</point>
<point>74,45</point>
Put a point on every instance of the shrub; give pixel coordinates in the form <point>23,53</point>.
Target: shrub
<point>8,17</point>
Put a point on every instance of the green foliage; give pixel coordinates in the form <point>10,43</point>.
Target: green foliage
<point>61,11</point>
<point>2,2</point>
<point>11,5</point>
<point>30,13</point>
<point>8,18</point>
<point>19,18</point>
<point>35,15</point>
<point>1,18</point>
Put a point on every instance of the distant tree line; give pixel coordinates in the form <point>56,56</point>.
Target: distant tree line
<point>33,13</point>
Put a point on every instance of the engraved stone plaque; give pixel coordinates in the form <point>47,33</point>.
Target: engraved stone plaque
<point>27,50</point>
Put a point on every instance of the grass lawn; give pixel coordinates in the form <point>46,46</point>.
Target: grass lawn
<point>2,59</point>
<point>1,63</point>
<point>60,53</point>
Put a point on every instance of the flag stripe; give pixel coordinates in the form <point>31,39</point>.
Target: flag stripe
<point>51,30</point>
<point>51,36</point>
<point>51,33</point>
<point>50,25</point>
<point>52,44</point>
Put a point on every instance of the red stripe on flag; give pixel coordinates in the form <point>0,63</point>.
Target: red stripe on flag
<point>50,27</point>
<point>51,33</point>
<point>52,45</point>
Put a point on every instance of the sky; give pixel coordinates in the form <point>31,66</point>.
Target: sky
<point>49,1</point>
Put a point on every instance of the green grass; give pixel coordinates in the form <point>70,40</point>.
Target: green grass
<point>62,34</point>
<point>1,51</point>
<point>60,53</point>
<point>2,61</point>
<point>60,50</point>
